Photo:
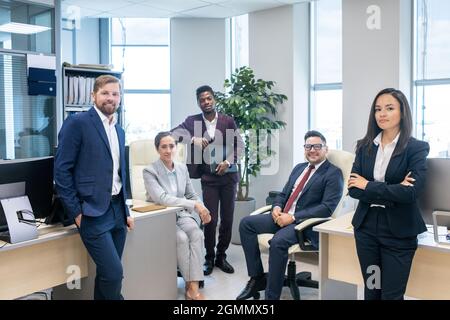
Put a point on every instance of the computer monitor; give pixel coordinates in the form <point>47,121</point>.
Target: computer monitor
<point>37,173</point>
<point>435,196</point>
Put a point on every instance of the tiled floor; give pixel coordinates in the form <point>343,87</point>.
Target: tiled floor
<point>223,286</point>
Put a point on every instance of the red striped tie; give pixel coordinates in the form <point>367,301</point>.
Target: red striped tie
<point>297,190</point>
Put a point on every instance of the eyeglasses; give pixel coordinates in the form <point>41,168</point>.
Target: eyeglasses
<point>317,146</point>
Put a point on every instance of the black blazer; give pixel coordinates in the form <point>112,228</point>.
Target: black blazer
<point>403,213</point>
<point>320,195</point>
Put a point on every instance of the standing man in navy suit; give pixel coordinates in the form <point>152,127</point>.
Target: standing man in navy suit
<point>215,145</point>
<point>313,190</point>
<point>90,176</point>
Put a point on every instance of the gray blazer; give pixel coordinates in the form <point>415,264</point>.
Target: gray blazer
<point>157,185</point>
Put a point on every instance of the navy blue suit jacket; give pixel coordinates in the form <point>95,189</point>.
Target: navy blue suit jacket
<point>84,165</point>
<point>321,194</point>
<point>403,214</point>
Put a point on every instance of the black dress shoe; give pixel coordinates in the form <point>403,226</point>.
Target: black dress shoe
<point>208,267</point>
<point>254,285</point>
<point>223,265</point>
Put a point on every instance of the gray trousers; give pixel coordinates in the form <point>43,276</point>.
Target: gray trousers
<point>190,250</point>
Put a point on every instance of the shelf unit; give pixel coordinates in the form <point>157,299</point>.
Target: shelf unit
<point>78,84</point>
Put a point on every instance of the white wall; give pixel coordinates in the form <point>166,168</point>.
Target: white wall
<point>67,46</point>
<point>372,60</point>
<point>301,80</point>
<point>278,51</point>
<point>88,41</point>
<point>197,55</point>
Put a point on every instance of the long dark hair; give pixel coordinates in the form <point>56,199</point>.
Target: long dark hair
<point>405,123</point>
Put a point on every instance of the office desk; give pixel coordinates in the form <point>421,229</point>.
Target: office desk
<point>149,261</point>
<point>339,267</point>
<point>41,263</point>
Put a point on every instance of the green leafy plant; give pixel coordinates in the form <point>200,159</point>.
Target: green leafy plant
<point>253,105</point>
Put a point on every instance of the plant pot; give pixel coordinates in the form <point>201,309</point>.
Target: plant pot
<point>241,209</point>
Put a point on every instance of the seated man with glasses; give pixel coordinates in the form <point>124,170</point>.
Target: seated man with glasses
<point>313,190</point>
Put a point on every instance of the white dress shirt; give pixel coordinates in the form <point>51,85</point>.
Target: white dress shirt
<point>211,125</point>
<point>113,140</point>
<point>173,183</point>
<point>384,155</point>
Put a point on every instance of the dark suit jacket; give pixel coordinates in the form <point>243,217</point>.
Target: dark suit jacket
<point>84,165</point>
<point>227,144</point>
<point>320,195</point>
<point>403,214</point>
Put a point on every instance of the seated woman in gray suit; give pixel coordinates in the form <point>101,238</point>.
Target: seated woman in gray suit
<point>168,183</point>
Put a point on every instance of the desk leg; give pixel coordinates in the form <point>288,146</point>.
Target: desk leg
<point>331,289</point>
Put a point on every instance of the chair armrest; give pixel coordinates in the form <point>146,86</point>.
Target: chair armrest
<point>311,222</point>
<point>307,223</point>
<point>262,210</point>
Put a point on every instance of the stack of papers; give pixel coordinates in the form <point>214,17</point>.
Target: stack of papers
<point>77,90</point>
<point>442,233</point>
<point>442,230</point>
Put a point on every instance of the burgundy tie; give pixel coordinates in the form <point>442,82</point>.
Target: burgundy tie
<point>297,190</point>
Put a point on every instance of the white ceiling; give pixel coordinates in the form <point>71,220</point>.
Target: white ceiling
<point>167,8</point>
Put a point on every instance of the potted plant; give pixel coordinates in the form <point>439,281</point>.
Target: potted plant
<point>253,105</point>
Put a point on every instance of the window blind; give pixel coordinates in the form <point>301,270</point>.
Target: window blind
<point>27,123</point>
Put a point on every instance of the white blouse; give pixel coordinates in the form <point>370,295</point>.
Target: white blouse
<point>384,155</point>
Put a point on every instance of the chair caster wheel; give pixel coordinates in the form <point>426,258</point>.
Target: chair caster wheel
<point>256,296</point>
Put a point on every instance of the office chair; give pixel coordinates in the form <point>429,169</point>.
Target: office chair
<point>344,161</point>
<point>141,154</point>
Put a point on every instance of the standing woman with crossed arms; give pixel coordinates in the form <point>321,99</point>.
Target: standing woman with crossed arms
<point>387,178</point>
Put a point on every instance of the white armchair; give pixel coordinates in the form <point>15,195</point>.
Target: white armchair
<point>344,161</point>
<point>142,153</point>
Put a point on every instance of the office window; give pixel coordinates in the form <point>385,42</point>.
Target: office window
<point>27,27</point>
<point>140,48</point>
<point>239,41</point>
<point>27,123</point>
<point>432,75</point>
<point>326,70</point>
